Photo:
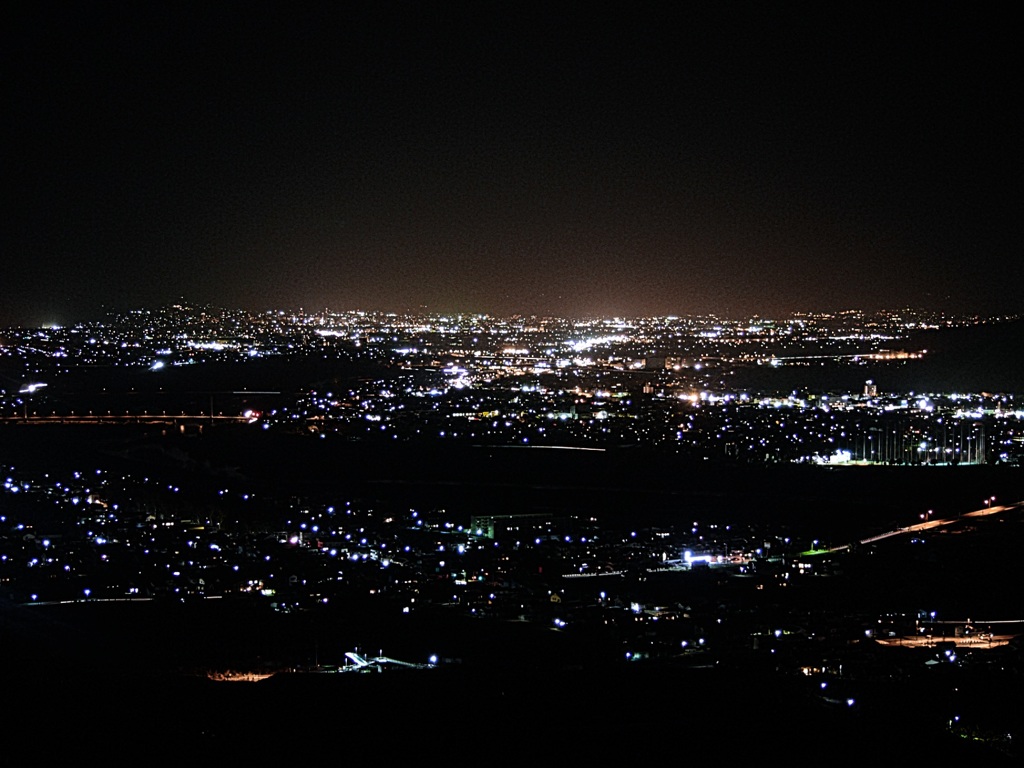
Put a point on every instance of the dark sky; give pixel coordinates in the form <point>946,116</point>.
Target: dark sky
<point>508,159</point>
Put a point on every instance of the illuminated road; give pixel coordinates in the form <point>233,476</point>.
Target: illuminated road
<point>145,418</point>
<point>78,600</point>
<point>928,525</point>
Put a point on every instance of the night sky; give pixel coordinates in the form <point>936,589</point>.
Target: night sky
<point>500,158</point>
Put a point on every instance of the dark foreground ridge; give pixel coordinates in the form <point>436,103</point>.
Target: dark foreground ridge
<point>136,675</point>
<point>579,714</point>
